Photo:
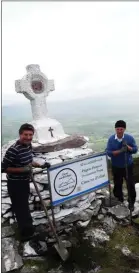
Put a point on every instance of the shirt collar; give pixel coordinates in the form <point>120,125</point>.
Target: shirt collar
<point>119,139</point>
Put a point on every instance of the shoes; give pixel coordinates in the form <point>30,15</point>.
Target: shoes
<point>39,247</point>
<point>121,200</point>
<point>131,207</point>
<point>27,233</point>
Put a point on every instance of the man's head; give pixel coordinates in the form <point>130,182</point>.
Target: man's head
<point>26,133</point>
<point>120,127</point>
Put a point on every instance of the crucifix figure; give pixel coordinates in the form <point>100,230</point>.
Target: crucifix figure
<point>51,131</point>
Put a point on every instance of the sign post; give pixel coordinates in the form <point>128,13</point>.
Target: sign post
<point>78,177</point>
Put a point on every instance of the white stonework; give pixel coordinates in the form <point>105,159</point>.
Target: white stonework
<point>35,86</point>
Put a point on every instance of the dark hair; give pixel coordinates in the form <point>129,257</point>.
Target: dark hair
<point>120,123</point>
<point>26,127</point>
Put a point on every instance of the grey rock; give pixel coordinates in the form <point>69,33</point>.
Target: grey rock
<point>33,190</point>
<point>95,206</point>
<point>30,269</point>
<point>96,269</point>
<point>38,160</point>
<point>96,236</point>
<point>3,220</point>
<point>71,203</point>
<point>51,240</point>
<point>100,217</point>
<point>100,196</point>
<point>38,214</point>
<point>3,185</point>
<point>68,142</point>
<point>109,224</point>
<point>8,215</point>
<point>41,178</point>
<point>103,211</point>
<point>37,222</point>
<point>136,209</point>
<point>5,208</point>
<point>126,251</point>
<point>92,197</point>
<point>40,247</point>
<point>44,195</point>
<point>28,250</point>
<point>7,231</point>
<point>83,224</point>
<point>11,260</point>
<point>3,177</point>
<point>57,270</point>
<point>82,205</point>
<point>11,221</point>
<point>4,194</point>
<point>119,211</point>
<point>66,243</point>
<point>35,258</point>
<point>31,207</point>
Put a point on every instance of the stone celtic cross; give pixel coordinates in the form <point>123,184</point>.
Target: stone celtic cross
<point>35,86</point>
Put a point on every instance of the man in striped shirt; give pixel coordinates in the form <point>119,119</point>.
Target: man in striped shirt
<point>17,163</point>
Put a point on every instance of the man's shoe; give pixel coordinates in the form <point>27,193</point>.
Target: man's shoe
<point>121,200</point>
<point>131,207</point>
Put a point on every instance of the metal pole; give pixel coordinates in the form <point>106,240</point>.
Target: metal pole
<point>52,209</point>
<point>128,188</point>
<point>110,196</point>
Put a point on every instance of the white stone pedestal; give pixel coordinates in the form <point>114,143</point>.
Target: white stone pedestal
<point>48,130</point>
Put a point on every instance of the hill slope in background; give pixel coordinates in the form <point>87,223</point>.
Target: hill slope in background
<point>94,117</point>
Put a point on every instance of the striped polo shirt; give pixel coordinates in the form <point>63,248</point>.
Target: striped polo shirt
<point>18,155</point>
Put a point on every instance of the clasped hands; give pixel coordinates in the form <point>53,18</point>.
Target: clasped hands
<point>125,148</point>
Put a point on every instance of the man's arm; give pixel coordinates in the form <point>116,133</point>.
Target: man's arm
<point>132,148</point>
<point>37,165</point>
<point>109,149</point>
<point>8,161</point>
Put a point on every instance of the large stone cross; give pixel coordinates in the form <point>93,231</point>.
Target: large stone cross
<point>35,86</point>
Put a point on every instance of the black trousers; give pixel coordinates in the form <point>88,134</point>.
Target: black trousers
<point>118,175</point>
<point>19,194</point>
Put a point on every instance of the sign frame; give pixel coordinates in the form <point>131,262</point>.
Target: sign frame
<point>69,162</point>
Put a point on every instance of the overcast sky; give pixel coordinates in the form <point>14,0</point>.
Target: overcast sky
<point>88,48</point>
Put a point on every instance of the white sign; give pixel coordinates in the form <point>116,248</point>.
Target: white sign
<point>72,179</point>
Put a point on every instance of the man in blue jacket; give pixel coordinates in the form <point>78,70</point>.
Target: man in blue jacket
<point>119,144</point>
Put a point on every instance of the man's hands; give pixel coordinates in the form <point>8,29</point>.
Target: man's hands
<point>125,148</point>
<point>27,169</point>
<point>117,152</point>
<point>46,165</point>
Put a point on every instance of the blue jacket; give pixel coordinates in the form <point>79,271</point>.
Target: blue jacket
<point>113,145</point>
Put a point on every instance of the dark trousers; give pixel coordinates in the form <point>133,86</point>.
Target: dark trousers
<point>118,175</point>
<point>19,194</point>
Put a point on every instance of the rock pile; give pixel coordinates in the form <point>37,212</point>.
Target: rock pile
<point>75,213</point>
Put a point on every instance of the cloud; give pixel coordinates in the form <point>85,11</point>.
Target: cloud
<point>84,46</point>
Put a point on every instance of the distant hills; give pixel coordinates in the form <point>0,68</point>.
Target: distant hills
<point>90,107</point>
<point>89,116</point>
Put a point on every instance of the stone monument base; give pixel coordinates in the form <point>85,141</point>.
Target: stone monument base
<point>48,130</point>
<point>68,142</point>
